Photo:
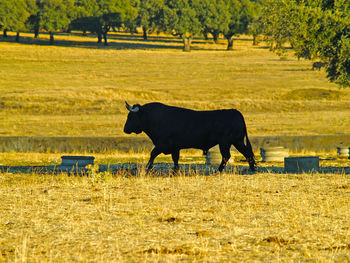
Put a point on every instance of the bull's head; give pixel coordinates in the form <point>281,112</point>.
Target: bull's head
<point>133,122</point>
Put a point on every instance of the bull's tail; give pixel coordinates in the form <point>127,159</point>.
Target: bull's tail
<point>247,142</point>
<point>249,154</point>
<point>248,145</point>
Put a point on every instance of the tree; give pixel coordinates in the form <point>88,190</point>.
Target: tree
<point>343,65</point>
<point>98,16</point>
<point>255,28</point>
<point>129,13</point>
<point>33,21</point>
<point>55,15</point>
<point>315,30</point>
<point>241,15</point>
<point>107,21</point>
<point>213,15</point>
<point>149,15</point>
<point>278,23</point>
<point>88,23</point>
<point>13,15</point>
<point>180,19</point>
<point>87,18</point>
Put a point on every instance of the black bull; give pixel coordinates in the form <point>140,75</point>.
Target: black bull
<point>172,129</point>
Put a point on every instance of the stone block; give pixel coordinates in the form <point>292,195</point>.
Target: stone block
<point>305,164</point>
<point>75,163</point>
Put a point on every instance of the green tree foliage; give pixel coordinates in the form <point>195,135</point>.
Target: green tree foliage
<point>88,23</point>
<point>255,27</point>
<point>179,18</point>
<point>213,15</point>
<point>277,21</point>
<point>241,14</point>
<point>99,16</point>
<point>315,29</point>
<point>107,21</point>
<point>33,21</point>
<point>85,8</point>
<point>184,18</point>
<point>55,15</point>
<point>343,65</point>
<point>129,10</point>
<point>149,15</point>
<point>13,15</point>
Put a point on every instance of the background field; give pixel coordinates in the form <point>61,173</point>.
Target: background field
<point>78,88</point>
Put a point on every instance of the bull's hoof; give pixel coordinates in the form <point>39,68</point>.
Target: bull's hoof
<point>218,172</point>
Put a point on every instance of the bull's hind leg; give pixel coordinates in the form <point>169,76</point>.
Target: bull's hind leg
<point>155,152</point>
<point>176,155</point>
<point>225,153</point>
<point>247,152</point>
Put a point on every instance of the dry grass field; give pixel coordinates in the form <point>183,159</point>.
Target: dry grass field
<point>225,218</point>
<point>78,88</point>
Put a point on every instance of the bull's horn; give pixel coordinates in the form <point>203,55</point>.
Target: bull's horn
<point>130,108</point>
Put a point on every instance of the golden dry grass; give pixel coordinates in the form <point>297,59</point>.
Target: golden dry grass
<point>78,88</point>
<point>227,218</point>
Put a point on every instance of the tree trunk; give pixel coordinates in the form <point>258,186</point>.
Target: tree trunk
<point>144,33</point>
<point>205,35</point>
<point>105,38</point>
<point>4,32</point>
<point>230,43</point>
<point>105,30</point>
<point>255,40</point>
<point>36,32</point>
<point>215,37</point>
<point>99,37</point>
<point>52,39</point>
<point>187,44</point>
<point>17,37</point>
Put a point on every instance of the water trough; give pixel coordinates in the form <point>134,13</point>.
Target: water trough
<point>305,164</point>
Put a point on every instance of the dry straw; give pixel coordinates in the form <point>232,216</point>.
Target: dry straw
<point>118,218</point>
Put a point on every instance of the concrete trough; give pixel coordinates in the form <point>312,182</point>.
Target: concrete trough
<point>307,164</point>
<point>213,156</point>
<point>343,152</point>
<point>273,154</point>
<point>75,163</point>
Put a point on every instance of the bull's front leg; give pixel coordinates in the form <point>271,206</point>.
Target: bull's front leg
<point>252,163</point>
<point>225,153</point>
<point>176,155</point>
<point>155,152</point>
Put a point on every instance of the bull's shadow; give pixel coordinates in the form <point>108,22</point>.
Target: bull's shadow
<point>166,169</point>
